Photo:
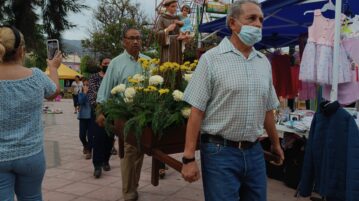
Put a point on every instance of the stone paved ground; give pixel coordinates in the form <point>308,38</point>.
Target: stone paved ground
<point>69,175</point>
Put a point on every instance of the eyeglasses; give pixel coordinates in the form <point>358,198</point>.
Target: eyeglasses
<point>134,38</point>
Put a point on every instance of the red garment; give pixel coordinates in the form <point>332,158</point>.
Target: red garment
<point>295,83</point>
<point>281,75</point>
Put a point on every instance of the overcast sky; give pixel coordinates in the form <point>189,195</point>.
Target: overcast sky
<point>83,20</point>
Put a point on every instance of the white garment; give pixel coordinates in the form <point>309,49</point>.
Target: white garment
<point>317,64</point>
<point>77,87</point>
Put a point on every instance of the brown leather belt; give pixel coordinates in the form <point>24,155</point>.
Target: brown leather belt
<point>216,139</point>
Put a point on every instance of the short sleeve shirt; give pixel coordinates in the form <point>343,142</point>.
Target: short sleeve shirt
<point>21,131</point>
<point>234,92</point>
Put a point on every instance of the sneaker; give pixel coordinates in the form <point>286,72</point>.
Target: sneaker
<point>106,167</point>
<point>97,173</point>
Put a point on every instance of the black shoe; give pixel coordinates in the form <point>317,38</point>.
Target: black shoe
<point>106,167</point>
<point>114,151</point>
<point>97,173</point>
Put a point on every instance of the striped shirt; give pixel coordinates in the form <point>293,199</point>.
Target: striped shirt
<point>234,92</point>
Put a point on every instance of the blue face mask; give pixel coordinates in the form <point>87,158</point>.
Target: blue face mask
<point>250,35</point>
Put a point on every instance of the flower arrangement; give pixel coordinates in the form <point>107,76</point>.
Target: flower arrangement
<point>152,99</point>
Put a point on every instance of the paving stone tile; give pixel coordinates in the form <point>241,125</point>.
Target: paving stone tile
<point>104,180</point>
<point>106,194</point>
<point>189,193</point>
<point>57,196</point>
<point>79,188</point>
<point>162,189</point>
<point>51,183</point>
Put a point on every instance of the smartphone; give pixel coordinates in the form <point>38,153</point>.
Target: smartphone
<point>52,48</point>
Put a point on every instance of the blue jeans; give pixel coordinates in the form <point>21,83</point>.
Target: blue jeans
<point>233,174</point>
<point>24,177</point>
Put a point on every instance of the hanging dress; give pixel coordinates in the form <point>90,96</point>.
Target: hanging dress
<point>317,60</point>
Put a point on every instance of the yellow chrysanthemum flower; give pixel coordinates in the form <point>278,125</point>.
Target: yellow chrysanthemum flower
<point>152,88</point>
<point>163,91</point>
<point>193,65</point>
<point>133,81</point>
<point>138,88</point>
<point>185,68</point>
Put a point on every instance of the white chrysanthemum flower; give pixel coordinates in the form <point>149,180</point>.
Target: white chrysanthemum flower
<point>130,92</point>
<point>177,95</point>
<point>155,80</point>
<point>186,112</point>
<point>118,89</point>
<point>187,77</point>
<point>139,77</point>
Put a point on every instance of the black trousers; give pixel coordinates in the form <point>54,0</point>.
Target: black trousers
<point>101,145</point>
<point>85,135</point>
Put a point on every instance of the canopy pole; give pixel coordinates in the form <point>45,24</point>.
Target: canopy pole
<point>338,12</point>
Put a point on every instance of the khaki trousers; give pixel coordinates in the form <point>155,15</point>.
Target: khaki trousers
<point>131,165</point>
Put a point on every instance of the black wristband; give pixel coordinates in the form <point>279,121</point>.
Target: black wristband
<point>188,160</point>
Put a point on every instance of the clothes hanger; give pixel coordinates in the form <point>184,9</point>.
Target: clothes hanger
<point>326,7</point>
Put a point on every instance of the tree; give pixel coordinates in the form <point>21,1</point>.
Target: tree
<point>23,15</point>
<point>55,13</point>
<point>88,66</point>
<point>111,18</point>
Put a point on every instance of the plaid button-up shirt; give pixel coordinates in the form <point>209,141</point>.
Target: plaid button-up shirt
<point>234,92</point>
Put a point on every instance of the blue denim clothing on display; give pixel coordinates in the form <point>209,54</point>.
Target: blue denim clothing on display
<point>23,175</point>
<point>85,107</point>
<point>233,174</point>
<point>21,101</point>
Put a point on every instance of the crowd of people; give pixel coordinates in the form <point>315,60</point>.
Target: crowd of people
<point>230,108</point>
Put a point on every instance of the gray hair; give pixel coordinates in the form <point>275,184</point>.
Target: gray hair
<point>235,10</point>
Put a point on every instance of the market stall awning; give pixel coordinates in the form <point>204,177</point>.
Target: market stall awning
<point>284,20</point>
<point>65,72</point>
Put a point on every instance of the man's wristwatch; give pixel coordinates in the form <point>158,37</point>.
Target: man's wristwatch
<point>187,160</point>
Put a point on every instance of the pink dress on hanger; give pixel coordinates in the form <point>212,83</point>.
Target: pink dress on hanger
<point>317,60</point>
<point>347,92</point>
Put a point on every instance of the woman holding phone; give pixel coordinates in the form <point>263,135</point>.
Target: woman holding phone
<point>22,90</point>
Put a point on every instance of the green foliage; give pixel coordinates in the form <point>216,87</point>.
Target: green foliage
<point>112,17</point>
<point>88,66</point>
<point>24,15</point>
